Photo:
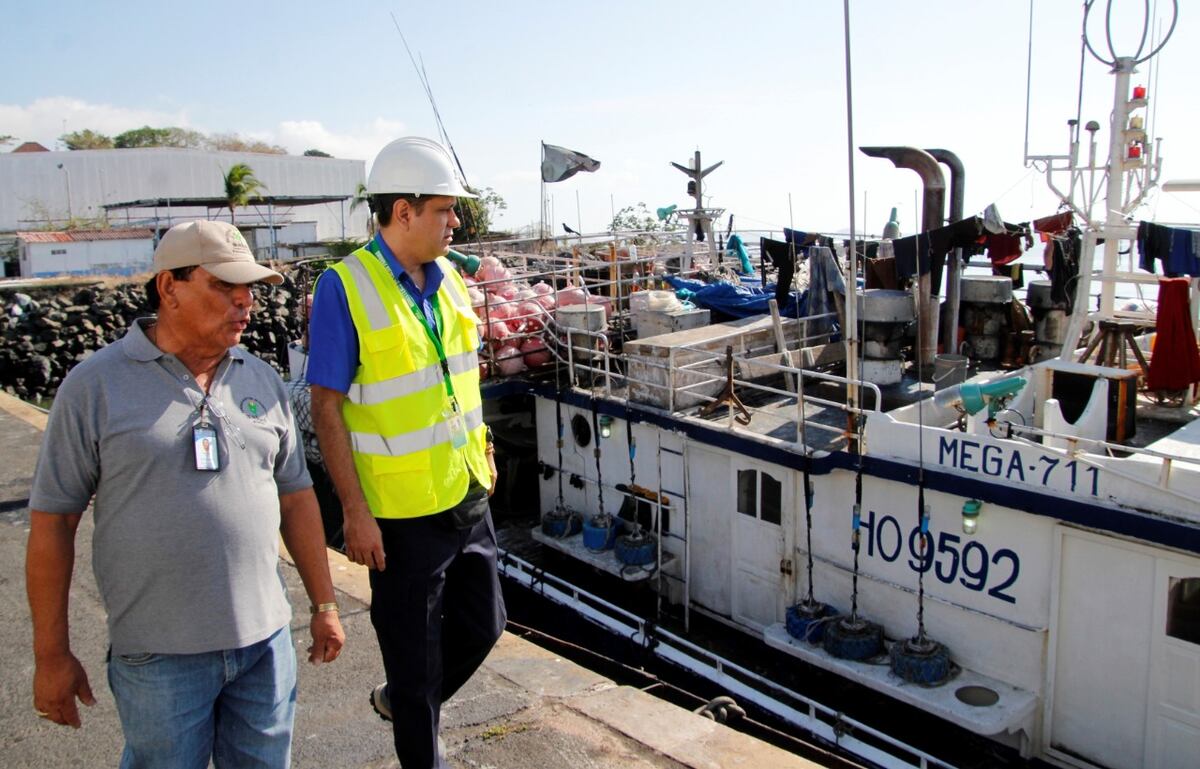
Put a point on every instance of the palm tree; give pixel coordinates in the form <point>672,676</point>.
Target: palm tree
<point>360,198</point>
<point>241,186</point>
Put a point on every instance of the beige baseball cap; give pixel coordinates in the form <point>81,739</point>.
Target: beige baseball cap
<point>218,247</point>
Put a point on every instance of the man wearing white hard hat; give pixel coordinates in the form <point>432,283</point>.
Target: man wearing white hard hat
<point>398,413</point>
<point>185,447</point>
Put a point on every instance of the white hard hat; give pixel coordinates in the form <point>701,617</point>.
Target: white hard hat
<point>416,166</point>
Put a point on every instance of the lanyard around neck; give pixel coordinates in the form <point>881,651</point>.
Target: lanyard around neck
<point>419,314</point>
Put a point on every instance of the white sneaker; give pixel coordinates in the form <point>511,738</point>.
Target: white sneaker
<point>379,702</point>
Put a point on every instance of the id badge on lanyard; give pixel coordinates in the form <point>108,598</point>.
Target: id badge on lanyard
<point>458,426</point>
<point>205,447</point>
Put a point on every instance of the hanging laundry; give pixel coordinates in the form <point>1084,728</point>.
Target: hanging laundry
<point>908,251</point>
<point>880,272</point>
<point>961,234</point>
<point>777,252</point>
<point>1054,224</point>
<point>1063,255</point>
<point>1175,364</point>
<point>1175,247</point>
<point>784,257</point>
<point>1003,248</point>
<point>866,249</point>
<point>992,221</point>
<point>824,277</point>
<point>796,237</point>
<point>1012,272</point>
<point>926,252</point>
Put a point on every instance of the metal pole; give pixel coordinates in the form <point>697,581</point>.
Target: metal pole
<point>958,180</point>
<point>1113,204</point>
<point>542,196</point>
<point>851,332</point>
<point>67,176</point>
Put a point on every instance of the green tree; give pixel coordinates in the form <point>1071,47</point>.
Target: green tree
<point>6,140</point>
<point>637,218</point>
<point>137,138</point>
<point>316,154</point>
<point>87,139</point>
<point>360,199</point>
<point>171,136</point>
<point>235,143</point>
<point>241,186</point>
<point>476,214</point>
<point>184,137</point>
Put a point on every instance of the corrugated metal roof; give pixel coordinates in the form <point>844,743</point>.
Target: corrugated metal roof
<point>76,236</point>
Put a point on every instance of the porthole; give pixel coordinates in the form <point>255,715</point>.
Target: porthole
<point>581,430</point>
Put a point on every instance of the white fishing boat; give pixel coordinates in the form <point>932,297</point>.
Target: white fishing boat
<point>1009,542</point>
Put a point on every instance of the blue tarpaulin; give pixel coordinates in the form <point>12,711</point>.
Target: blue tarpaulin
<point>735,301</point>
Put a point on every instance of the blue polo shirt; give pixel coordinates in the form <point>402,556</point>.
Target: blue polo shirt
<point>332,338</point>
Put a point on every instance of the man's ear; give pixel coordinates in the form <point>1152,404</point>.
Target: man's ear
<point>402,212</point>
<point>167,285</point>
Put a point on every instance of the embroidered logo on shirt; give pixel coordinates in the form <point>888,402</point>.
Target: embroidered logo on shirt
<point>254,409</point>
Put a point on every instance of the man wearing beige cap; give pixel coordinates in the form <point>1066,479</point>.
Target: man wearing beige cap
<point>185,447</point>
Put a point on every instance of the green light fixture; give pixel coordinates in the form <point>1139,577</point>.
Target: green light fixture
<point>970,515</point>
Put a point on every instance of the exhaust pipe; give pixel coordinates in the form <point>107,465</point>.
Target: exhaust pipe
<point>933,208</point>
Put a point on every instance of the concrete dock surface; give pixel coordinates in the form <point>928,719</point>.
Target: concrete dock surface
<point>525,707</point>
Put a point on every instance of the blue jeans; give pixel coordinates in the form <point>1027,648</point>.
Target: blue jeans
<point>235,707</point>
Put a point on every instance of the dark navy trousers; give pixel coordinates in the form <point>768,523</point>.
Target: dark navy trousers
<point>437,611</point>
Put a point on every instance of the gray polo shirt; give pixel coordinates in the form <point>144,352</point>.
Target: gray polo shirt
<point>186,560</point>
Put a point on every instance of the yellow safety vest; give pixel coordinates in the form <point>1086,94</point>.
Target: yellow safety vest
<point>396,409</point>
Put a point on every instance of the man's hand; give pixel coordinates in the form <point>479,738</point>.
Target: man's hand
<point>56,684</point>
<point>327,636</point>
<point>364,543</point>
<point>491,457</point>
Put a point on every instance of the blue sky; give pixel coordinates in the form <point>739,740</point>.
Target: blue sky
<point>756,83</point>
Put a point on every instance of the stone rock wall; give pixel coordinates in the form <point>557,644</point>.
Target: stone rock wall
<point>44,333</point>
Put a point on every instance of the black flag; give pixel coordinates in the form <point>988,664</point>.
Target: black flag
<point>559,163</point>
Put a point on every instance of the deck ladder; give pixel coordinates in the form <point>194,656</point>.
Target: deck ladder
<point>682,509</point>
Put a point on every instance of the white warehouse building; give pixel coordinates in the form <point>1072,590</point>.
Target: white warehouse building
<point>46,190</point>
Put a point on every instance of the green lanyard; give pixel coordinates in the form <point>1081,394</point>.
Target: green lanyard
<point>420,315</point>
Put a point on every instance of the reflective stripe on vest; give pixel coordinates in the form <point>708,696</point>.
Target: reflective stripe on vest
<point>408,443</point>
<point>396,406</point>
<point>398,387</point>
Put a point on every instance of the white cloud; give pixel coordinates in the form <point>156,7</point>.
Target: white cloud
<point>46,119</point>
<point>299,135</point>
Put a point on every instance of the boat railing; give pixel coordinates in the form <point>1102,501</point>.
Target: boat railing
<point>689,376</point>
<point>585,355</point>
<point>743,682</point>
<point>1074,449</point>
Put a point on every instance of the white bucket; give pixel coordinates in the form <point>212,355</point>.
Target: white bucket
<point>659,301</point>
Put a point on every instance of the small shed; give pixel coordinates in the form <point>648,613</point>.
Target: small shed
<point>85,252</point>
